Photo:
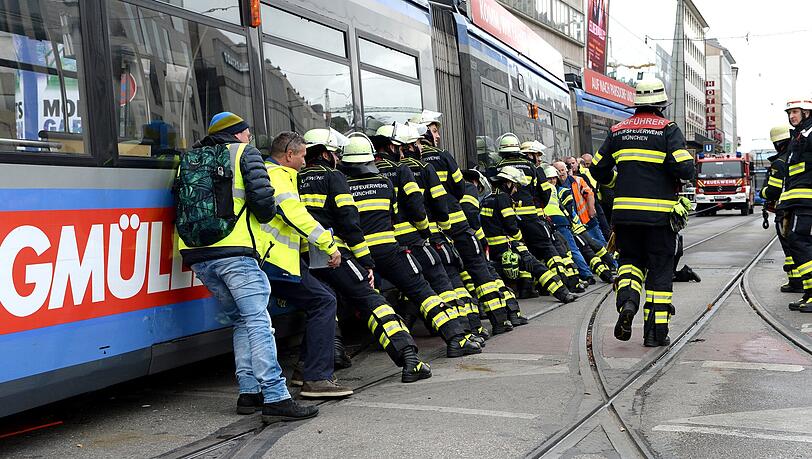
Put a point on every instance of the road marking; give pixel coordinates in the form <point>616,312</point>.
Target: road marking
<point>498,356</point>
<point>440,409</point>
<point>786,420</point>
<point>726,365</point>
<point>806,328</point>
<point>733,433</point>
<point>475,371</point>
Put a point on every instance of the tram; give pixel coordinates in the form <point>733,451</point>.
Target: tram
<point>101,96</point>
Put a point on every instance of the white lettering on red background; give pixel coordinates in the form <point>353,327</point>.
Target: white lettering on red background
<point>644,121</point>
<point>64,266</point>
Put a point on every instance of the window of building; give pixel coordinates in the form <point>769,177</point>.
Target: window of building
<point>555,14</point>
<point>387,58</point>
<point>297,29</point>
<point>173,75</point>
<point>41,77</point>
<point>305,87</point>
<point>226,10</point>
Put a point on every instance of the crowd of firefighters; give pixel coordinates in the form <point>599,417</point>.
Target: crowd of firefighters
<point>389,227</point>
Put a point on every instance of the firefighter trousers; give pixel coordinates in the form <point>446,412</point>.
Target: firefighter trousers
<point>539,240</point>
<point>400,268</point>
<point>436,275</point>
<point>647,257</point>
<point>349,280</point>
<point>596,263</point>
<point>799,238</point>
<point>793,276</point>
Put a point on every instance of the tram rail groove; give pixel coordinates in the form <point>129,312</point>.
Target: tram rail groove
<point>653,368</point>
<point>213,444</point>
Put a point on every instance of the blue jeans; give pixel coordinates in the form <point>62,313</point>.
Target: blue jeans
<point>243,291</point>
<point>580,263</point>
<point>593,229</point>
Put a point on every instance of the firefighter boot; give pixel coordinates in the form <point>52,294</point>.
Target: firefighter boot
<point>413,368</point>
<point>564,295</point>
<point>340,358</point>
<point>803,305</point>
<point>498,327</point>
<point>656,334</point>
<point>651,341</point>
<point>793,286</point>
<point>607,277</point>
<point>517,319</point>
<point>623,327</point>
<point>686,274</point>
<point>461,345</point>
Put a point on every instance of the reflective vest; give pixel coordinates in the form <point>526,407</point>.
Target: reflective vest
<point>281,238</point>
<point>580,190</point>
<point>247,226</point>
<point>553,207</point>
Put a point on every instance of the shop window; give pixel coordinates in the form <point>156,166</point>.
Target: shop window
<point>226,10</point>
<point>172,76</point>
<point>387,99</point>
<point>41,76</point>
<point>305,92</point>
<point>387,58</point>
<point>281,24</point>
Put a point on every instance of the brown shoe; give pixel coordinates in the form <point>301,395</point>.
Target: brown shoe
<point>324,389</point>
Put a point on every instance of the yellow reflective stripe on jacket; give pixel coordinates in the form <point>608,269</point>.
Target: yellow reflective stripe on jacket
<point>405,228</point>
<point>496,240</point>
<point>507,212</point>
<point>470,200</point>
<point>443,175</point>
<point>486,212</point>
<point>526,210</point>
<point>368,205</point>
<point>422,224</point>
<point>479,234</point>
<point>796,169</point>
<point>639,154</point>
<point>383,237</point>
<point>682,155</point>
<point>455,217</point>
<point>644,204</point>
<point>314,200</point>
<point>596,158</point>
<point>411,187</point>
<point>775,181</point>
<point>360,250</point>
<point>437,191</point>
<point>344,200</point>
<point>456,176</point>
<point>797,193</point>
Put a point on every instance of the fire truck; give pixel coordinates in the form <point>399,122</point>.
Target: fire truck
<point>724,182</point>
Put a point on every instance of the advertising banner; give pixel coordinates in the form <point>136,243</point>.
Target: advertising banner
<point>608,88</point>
<point>597,27</point>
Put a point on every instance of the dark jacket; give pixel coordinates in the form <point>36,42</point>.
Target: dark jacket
<point>535,195</point>
<point>771,191</point>
<point>410,213</point>
<point>259,199</point>
<point>649,153</point>
<point>797,195</point>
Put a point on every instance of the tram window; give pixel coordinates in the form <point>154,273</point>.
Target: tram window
<point>563,143</point>
<point>494,97</point>
<point>547,133</point>
<point>387,58</point>
<point>41,105</point>
<point>227,10</point>
<point>281,24</point>
<point>173,75</point>
<point>387,99</point>
<point>305,92</point>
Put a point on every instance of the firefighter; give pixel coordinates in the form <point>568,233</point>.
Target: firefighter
<point>771,192</point>
<point>501,227</point>
<point>375,199</point>
<point>464,242</point>
<point>563,223</point>
<point>649,153</point>
<point>392,143</point>
<point>796,199</point>
<point>325,192</point>
<point>537,235</point>
<point>579,230</point>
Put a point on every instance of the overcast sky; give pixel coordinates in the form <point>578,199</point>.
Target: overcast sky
<point>773,65</point>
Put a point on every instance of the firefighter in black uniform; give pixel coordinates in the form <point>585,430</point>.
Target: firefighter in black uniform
<point>325,192</point>
<point>771,192</point>
<point>375,199</point>
<point>796,199</point>
<point>464,241</point>
<point>501,227</point>
<point>650,156</point>
<point>391,141</point>
<point>528,200</point>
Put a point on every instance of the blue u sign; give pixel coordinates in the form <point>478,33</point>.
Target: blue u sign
<point>708,148</point>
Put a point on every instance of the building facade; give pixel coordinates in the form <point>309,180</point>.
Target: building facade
<point>720,92</point>
<point>688,72</point>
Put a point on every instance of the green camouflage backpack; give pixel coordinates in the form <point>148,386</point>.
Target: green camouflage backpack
<point>204,204</point>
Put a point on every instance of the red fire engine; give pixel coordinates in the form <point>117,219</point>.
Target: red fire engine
<point>724,182</point>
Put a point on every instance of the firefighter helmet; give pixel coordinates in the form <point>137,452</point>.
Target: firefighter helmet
<point>508,143</point>
<point>358,149</point>
<point>804,103</point>
<point>550,172</point>
<point>329,137</point>
<point>394,132</point>
<point>779,133</point>
<point>650,92</point>
<point>512,174</point>
<point>533,146</point>
<point>427,118</point>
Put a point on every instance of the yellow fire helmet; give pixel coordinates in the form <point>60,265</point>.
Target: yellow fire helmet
<point>779,133</point>
<point>650,92</point>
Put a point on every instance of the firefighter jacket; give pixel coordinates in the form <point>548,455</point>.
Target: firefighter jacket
<point>435,201</point>
<point>410,213</point>
<point>375,199</point>
<point>771,191</point>
<point>499,221</point>
<point>451,178</point>
<point>282,237</point>
<point>797,193</point>
<point>533,196</point>
<point>568,206</point>
<point>650,156</point>
<point>252,190</point>
<point>470,206</point>
<point>325,193</point>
